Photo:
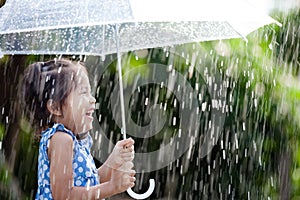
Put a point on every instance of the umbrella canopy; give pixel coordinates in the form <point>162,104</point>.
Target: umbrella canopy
<point>88,27</point>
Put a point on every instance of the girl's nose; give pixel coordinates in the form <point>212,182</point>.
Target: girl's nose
<point>92,99</point>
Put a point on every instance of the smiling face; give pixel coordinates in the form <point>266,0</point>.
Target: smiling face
<point>79,106</point>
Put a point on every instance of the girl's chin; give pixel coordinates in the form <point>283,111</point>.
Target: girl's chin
<point>87,127</point>
<point>84,128</point>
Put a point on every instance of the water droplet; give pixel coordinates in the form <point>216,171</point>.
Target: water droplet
<point>174,121</point>
<point>236,141</point>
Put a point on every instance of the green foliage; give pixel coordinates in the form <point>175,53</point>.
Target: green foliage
<point>6,178</point>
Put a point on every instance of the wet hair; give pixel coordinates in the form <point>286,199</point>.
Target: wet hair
<point>55,80</point>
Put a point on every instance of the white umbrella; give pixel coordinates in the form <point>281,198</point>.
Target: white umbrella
<point>102,27</point>
<point>89,27</point>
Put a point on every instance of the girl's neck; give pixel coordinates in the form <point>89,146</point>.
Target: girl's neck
<point>81,136</point>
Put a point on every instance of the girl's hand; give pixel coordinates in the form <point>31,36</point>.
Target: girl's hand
<point>123,177</point>
<point>122,152</point>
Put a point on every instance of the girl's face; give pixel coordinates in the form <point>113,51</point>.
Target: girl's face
<point>79,106</point>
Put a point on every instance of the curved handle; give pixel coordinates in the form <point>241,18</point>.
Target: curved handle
<point>146,194</point>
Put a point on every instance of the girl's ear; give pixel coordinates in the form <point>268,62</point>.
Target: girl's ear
<point>54,108</point>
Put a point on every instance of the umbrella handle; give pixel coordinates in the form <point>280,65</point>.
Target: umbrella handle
<point>146,194</point>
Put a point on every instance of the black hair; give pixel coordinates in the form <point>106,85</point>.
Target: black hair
<point>54,79</point>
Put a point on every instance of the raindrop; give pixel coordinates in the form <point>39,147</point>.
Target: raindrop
<point>259,160</point>
<point>255,103</point>
<point>236,141</point>
<point>165,106</point>
<point>178,88</point>
<point>272,181</point>
<point>98,194</point>
<point>175,103</point>
<point>167,54</point>
<point>200,97</point>
<point>224,154</point>
<point>254,145</point>
<point>88,185</point>
<point>182,103</point>
<point>146,101</point>
<point>80,57</point>
<point>203,106</point>
<point>174,121</point>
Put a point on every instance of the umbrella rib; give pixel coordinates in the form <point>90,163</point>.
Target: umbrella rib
<point>63,26</point>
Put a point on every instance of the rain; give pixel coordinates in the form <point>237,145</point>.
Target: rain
<point>215,119</point>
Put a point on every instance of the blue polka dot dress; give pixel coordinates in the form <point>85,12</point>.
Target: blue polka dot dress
<point>84,170</point>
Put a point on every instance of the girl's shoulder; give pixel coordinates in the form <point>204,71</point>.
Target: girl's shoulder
<point>62,138</point>
<point>57,128</point>
<point>61,143</point>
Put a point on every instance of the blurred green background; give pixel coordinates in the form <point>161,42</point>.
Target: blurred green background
<point>263,121</point>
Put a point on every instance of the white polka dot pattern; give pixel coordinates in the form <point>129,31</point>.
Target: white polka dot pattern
<point>84,169</point>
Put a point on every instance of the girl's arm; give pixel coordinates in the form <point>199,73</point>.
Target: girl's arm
<point>60,153</point>
<point>122,152</point>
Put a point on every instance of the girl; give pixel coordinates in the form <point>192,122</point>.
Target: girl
<point>58,97</point>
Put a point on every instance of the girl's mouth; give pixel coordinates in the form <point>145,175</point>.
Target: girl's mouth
<point>90,114</point>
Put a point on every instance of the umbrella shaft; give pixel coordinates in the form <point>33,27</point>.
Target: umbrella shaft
<point>123,130</point>
<point>119,67</point>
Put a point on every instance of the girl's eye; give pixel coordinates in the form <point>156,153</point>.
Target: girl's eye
<point>84,92</point>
